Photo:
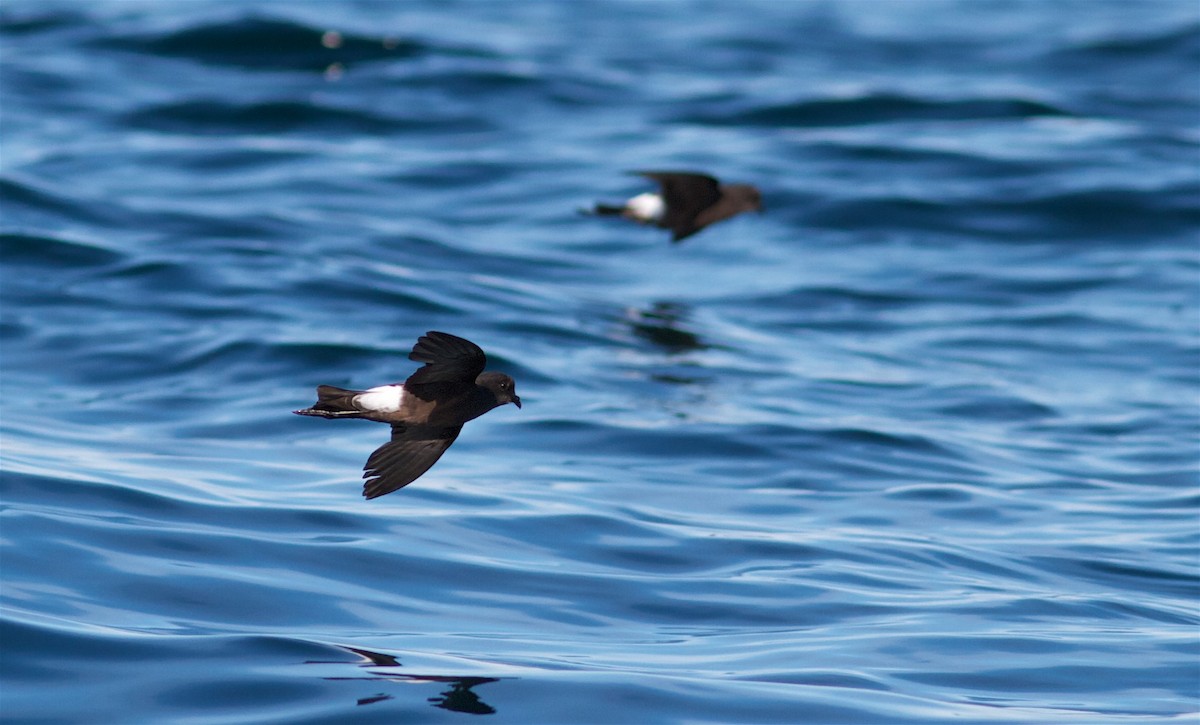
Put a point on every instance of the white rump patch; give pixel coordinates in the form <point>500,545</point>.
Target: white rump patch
<point>648,207</point>
<point>383,399</point>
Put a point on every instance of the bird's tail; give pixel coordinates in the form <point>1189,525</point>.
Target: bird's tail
<point>608,210</point>
<point>333,403</point>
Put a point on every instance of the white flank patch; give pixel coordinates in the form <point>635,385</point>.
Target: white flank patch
<point>384,399</point>
<point>647,207</point>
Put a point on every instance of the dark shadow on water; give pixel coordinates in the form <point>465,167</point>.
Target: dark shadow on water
<point>374,659</point>
<point>459,698</point>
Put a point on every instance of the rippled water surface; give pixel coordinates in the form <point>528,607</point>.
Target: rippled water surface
<point>917,445</point>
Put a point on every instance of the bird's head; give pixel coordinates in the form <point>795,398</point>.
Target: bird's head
<point>501,386</point>
<point>748,197</point>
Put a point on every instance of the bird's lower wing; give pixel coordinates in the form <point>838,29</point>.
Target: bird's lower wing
<point>399,462</point>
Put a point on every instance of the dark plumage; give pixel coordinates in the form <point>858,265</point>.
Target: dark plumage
<point>686,202</point>
<point>426,412</point>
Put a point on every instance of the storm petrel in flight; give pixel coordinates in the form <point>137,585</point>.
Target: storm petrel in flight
<point>426,412</point>
<point>685,203</point>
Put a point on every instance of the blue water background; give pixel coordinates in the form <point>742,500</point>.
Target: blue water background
<point>917,445</point>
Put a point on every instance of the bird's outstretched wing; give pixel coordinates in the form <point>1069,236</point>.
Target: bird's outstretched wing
<point>410,453</point>
<point>685,195</point>
<point>447,358</point>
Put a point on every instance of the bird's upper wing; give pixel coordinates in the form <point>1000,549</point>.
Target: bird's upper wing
<point>402,460</point>
<point>447,358</point>
<point>686,195</point>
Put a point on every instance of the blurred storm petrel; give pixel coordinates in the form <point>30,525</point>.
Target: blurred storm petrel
<point>426,412</point>
<point>686,202</point>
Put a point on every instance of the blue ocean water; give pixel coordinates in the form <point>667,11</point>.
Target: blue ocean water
<point>919,444</point>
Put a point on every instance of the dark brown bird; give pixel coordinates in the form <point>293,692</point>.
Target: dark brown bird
<point>686,202</point>
<point>427,411</point>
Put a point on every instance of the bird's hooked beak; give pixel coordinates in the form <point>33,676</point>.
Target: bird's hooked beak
<point>516,401</point>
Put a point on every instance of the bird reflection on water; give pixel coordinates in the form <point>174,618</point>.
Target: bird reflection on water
<point>663,324</point>
<point>459,698</point>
